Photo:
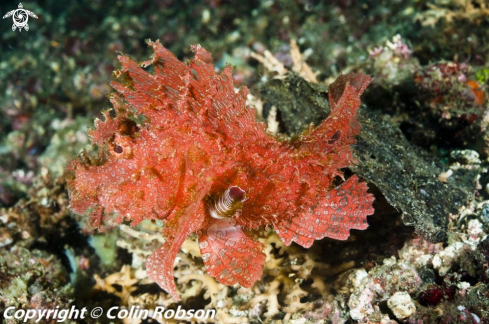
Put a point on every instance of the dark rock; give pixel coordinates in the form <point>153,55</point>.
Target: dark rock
<point>406,175</point>
<point>299,103</point>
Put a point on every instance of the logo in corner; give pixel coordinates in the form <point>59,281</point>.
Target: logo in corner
<point>20,17</point>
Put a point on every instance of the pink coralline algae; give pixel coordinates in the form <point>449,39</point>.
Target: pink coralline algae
<point>180,145</point>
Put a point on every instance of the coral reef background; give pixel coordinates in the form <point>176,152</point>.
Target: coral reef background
<point>423,151</point>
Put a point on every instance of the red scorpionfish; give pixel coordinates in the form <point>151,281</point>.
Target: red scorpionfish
<point>201,163</point>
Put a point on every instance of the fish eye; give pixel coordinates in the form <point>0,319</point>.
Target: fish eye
<point>118,149</point>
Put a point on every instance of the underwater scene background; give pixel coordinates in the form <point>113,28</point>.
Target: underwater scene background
<point>422,150</point>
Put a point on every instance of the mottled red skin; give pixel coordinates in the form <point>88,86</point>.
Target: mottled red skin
<point>199,138</point>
